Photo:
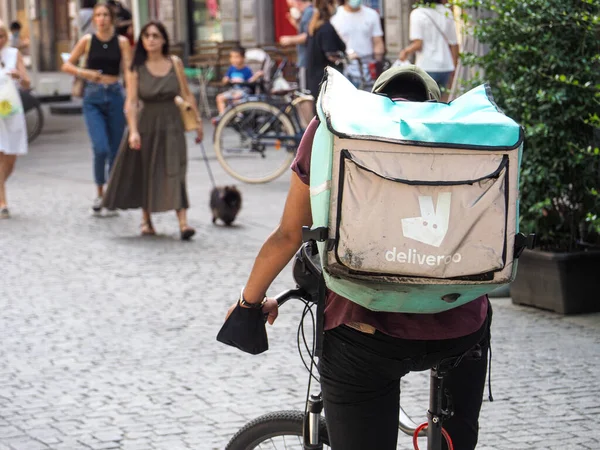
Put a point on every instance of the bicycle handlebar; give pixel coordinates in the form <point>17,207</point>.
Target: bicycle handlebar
<point>284,296</point>
<point>274,50</point>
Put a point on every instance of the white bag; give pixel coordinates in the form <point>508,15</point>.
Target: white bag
<point>10,100</point>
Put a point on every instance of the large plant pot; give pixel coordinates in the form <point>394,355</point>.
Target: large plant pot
<point>567,283</point>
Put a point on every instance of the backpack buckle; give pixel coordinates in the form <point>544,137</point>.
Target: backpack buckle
<point>319,234</point>
<point>522,242</point>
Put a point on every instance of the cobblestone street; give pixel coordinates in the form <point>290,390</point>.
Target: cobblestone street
<point>107,339</point>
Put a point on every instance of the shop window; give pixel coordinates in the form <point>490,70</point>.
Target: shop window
<point>206,20</point>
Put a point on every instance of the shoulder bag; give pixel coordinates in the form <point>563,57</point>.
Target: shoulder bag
<point>188,114</point>
<point>437,27</point>
<point>79,83</point>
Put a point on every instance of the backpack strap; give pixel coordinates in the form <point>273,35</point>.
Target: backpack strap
<point>179,73</point>
<point>320,325</point>
<point>87,22</point>
<point>437,27</point>
<point>88,45</point>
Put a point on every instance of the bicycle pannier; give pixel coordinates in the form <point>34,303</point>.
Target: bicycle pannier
<point>416,204</point>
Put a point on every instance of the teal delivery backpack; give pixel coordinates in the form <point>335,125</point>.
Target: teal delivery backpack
<point>414,204</point>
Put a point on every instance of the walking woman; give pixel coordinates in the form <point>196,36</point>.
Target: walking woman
<point>150,171</point>
<point>106,54</point>
<point>322,45</point>
<point>13,131</point>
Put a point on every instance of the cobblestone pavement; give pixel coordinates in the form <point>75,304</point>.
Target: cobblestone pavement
<point>107,339</point>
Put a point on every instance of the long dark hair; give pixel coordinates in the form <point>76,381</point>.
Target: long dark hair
<point>88,4</point>
<point>140,54</point>
<point>321,15</point>
<point>111,12</point>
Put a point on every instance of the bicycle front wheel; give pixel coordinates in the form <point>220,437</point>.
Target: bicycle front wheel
<point>255,142</point>
<point>278,430</point>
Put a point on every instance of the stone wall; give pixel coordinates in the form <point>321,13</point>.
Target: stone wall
<point>396,15</point>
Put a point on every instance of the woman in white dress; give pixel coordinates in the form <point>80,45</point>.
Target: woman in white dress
<point>13,131</point>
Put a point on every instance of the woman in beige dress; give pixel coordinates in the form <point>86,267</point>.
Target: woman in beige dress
<point>150,170</point>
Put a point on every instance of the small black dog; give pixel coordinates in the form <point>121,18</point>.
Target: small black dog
<point>225,203</point>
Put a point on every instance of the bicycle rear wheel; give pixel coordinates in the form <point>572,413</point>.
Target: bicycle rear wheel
<point>34,121</point>
<point>34,115</point>
<point>278,430</point>
<point>255,142</point>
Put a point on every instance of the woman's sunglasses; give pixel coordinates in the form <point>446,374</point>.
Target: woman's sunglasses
<point>156,36</point>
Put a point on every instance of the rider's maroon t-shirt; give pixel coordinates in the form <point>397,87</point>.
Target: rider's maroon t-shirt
<point>457,322</point>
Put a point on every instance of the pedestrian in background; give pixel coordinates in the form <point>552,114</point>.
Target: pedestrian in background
<point>360,28</point>
<point>108,55</point>
<point>300,15</point>
<point>150,171</point>
<point>322,45</point>
<point>16,40</point>
<point>13,131</point>
<point>123,19</point>
<point>85,21</point>
<point>433,39</point>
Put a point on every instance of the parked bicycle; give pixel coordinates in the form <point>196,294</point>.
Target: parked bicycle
<point>301,430</point>
<point>255,140</point>
<point>34,114</point>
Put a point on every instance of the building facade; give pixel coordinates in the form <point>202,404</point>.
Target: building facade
<point>50,23</point>
<point>255,22</point>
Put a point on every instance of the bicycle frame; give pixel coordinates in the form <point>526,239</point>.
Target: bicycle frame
<point>436,414</point>
<point>288,109</point>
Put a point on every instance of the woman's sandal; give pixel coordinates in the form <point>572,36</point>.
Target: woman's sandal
<point>148,229</point>
<point>187,233</point>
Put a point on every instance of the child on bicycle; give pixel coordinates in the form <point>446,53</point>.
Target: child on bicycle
<point>239,76</point>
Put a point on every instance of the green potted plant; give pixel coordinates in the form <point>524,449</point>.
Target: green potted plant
<point>543,66</point>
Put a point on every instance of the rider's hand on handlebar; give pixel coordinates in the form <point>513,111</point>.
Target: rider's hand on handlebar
<point>270,308</point>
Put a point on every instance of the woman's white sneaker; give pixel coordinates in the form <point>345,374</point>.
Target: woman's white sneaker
<point>97,206</point>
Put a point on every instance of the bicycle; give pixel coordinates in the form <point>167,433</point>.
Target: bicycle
<point>307,430</point>
<point>34,114</point>
<point>261,129</point>
<point>361,71</point>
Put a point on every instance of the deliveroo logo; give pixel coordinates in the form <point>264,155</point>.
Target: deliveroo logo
<point>431,227</point>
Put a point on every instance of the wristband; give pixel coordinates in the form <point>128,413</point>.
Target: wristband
<point>243,302</point>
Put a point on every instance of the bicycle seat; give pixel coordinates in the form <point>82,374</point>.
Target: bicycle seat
<point>307,269</point>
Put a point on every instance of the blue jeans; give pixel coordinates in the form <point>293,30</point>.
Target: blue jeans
<point>441,78</point>
<point>103,112</point>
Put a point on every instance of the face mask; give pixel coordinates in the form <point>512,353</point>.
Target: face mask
<point>295,13</point>
<point>354,3</point>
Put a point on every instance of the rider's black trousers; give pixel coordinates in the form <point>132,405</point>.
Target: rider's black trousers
<point>360,379</point>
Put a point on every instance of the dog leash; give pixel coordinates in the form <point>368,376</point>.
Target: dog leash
<point>210,174</point>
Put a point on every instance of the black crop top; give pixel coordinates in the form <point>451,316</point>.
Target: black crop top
<point>105,56</point>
